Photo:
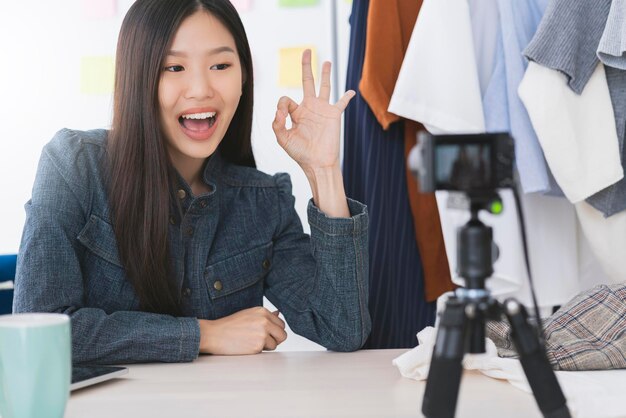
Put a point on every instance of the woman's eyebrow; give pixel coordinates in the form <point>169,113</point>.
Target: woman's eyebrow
<point>213,51</point>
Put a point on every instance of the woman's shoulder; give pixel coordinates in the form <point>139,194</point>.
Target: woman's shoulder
<point>71,141</point>
<point>241,176</point>
<point>72,145</point>
<point>76,156</point>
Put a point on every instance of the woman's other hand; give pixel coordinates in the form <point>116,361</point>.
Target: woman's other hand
<point>248,331</point>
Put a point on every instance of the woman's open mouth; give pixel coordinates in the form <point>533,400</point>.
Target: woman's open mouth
<point>198,126</point>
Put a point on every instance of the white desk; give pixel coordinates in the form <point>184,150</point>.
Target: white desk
<point>287,384</point>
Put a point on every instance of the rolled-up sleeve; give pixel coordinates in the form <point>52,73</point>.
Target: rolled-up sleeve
<point>320,282</point>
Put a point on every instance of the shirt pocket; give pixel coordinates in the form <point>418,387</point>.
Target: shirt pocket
<point>106,285</point>
<point>236,283</point>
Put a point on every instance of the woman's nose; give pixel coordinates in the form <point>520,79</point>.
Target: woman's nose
<point>200,86</point>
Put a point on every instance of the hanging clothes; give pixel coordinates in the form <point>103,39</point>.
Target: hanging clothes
<point>607,240</point>
<point>438,83</point>
<point>567,40</point>
<point>374,171</point>
<point>389,27</point>
<point>427,224</point>
<point>577,131</point>
<point>590,123</point>
<point>517,22</point>
<point>441,71</point>
<point>612,47</point>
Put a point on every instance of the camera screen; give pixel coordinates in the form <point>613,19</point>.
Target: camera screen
<point>463,166</point>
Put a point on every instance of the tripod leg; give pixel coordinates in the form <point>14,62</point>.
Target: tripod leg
<point>444,375</point>
<point>539,373</point>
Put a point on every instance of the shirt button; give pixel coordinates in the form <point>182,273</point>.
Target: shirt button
<point>217,285</point>
<point>203,204</point>
<point>266,264</point>
<point>182,194</point>
<point>172,220</point>
<point>189,231</point>
<point>187,292</point>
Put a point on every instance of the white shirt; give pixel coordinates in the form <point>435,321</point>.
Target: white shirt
<point>577,132</point>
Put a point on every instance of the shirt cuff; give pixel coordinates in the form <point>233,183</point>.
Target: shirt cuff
<point>189,339</point>
<point>355,225</point>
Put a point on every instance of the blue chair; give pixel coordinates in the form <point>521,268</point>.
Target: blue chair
<point>7,273</point>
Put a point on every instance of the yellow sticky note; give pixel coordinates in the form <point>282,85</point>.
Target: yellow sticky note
<point>290,66</point>
<point>97,75</point>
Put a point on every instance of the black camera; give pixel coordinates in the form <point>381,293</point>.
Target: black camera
<point>467,163</point>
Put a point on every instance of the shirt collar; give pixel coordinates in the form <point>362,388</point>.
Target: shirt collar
<point>213,168</point>
<point>210,173</point>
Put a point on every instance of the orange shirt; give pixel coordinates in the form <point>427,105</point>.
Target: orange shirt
<point>389,27</point>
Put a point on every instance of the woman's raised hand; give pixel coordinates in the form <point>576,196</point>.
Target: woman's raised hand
<point>313,139</point>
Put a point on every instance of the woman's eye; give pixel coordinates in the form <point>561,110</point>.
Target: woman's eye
<point>220,66</point>
<point>174,68</point>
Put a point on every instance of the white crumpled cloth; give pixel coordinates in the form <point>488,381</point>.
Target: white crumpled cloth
<point>590,394</point>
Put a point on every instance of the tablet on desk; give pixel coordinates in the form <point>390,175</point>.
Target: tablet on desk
<point>83,376</point>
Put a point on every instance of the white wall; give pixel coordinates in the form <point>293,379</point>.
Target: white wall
<point>43,42</point>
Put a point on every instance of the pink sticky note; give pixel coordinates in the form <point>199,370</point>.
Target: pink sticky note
<point>242,5</point>
<point>99,9</point>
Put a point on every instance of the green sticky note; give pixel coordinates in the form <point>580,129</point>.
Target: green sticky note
<point>97,75</point>
<point>297,3</point>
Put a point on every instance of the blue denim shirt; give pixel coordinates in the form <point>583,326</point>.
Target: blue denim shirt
<point>233,245</point>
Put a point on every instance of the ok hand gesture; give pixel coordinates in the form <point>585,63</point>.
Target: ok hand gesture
<point>313,140</point>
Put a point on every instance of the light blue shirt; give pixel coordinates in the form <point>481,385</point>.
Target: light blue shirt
<point>503,108</point>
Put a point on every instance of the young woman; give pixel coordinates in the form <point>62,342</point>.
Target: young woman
<point>159,237</point>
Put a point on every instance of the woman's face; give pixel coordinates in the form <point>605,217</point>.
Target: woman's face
<point>199,89</point>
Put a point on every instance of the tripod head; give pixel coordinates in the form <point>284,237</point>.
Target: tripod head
<point>476,250</point>
<point>476,253</point>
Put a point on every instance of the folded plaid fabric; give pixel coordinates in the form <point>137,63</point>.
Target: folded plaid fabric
<point>588,333</point>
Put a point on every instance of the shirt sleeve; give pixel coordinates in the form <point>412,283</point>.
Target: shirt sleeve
<point>320,282</point>
<point>445,94</point>
<point>567,39</point>
<point>49,278</point>
<point>612,47</point>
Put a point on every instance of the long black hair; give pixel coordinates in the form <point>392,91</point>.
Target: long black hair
<point>141,175</point>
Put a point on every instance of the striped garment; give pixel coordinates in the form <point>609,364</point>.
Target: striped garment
<point>588,333</point>
<point>374,172</point>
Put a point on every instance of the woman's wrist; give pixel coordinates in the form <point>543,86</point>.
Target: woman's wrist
<point>205,335</point>
<point>328,191</point>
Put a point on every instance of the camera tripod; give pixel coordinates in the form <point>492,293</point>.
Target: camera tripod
<point>462,327</point>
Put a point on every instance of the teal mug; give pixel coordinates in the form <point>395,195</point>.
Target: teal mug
<point>35,365</point>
